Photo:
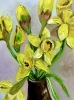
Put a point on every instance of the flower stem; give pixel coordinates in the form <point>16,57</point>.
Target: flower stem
<point>12,50</point>
<point>60,52</point>
<point>42,28</point>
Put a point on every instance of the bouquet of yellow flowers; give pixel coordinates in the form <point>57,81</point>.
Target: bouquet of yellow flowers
<point>42,50</point>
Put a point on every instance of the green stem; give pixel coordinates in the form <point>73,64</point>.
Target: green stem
<point>59,53</point>
<point>42,28</point>
<point>12,50</point>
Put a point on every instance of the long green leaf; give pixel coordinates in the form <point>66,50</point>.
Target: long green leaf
<point>54,94</point>
<point>16,87</point>
<point>59,80</point>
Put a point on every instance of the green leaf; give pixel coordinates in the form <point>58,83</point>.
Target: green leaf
<point>16,87</point>
<point>54,94</point>
<point>59,80</point>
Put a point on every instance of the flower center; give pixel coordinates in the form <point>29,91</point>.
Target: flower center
<point>28,62</point>
<point>47,45</point>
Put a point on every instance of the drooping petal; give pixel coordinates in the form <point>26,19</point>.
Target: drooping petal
<point>45,34</point>
<point>28,52</point>
<point>22,72</point>
<point>57,44</point>
<point>41,65</point>
<point>34,40</point>
<point>20,58</point>
<point>70,42</point>
<point>38,53</point>
<point>55,20</point>
<point>63,31</point>
<point>48,57</point>
<point>5,86</point>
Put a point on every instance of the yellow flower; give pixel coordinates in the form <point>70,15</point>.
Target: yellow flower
<point>5,87</point>
<point>66,26</point>
<point>5,27</point>
<point>45,46</point>
<point>63,5</point>
<point>21,95</point>
<point>27,62</point>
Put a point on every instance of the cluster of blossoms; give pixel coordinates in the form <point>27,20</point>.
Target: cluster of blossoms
<point>41,51</point>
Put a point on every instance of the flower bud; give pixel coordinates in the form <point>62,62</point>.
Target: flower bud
<point>23,17</point>
<point>44,9</point>
<point>18,38</point>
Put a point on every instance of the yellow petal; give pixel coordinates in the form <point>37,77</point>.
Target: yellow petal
<point>34,40</point>
<point>66,15</point>
<point>57,44</point>
<point>70,42</point>
<point>8,23</point>
<point>48,57</point>
<point>21,96</point>
<point>63,31</point>
<point>7,97</point>
<point>22,12</point>
<point>5,86</point>
<point>45,34</point>
<point>22,72</point>
<point>55,20</point>
<point>71,30</point>
<point>71,21</point>
<point>38,53</point>
<point>28,52</point>
<point>41,65</point>
<point>20,58</point>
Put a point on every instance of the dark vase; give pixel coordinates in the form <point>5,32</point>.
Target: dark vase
<point>38,90</point>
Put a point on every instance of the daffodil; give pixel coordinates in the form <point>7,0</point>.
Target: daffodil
<point>66,26</point>
<point>23,17</point>
<point>62,5</point>
<point>27,63</point>
<point>45,46</point>
<point>5,87</point>
<point>5,27</point>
